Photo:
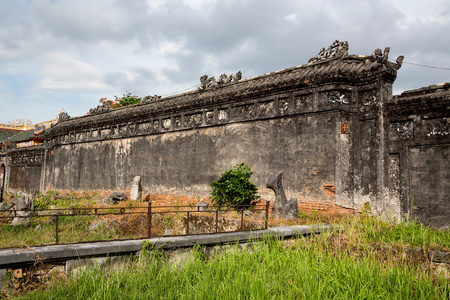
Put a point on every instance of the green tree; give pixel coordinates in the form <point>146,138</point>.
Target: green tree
<point>234,187</point>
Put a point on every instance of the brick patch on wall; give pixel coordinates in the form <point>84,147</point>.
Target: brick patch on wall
<point>329,189</point>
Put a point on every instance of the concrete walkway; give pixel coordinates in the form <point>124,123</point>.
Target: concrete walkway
<point>14,258</point>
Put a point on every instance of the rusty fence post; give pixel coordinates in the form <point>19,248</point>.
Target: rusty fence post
<point>217,220</point>
<point>242,219</point>
<point>267,215</point>
<point>149,219</point>
<point>56,230</point>
<point>187,224</point>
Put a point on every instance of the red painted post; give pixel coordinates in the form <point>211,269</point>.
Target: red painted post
<point>242,219</point>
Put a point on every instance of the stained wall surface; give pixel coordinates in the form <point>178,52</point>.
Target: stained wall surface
<point>332,127</point>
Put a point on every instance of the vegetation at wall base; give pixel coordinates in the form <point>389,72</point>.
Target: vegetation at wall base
<point>326,266</point>
<point>234,187</point>
<point>366,258</point>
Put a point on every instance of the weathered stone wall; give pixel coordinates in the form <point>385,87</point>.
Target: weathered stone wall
<point>290,121</point>
<point>24,170</point>
<point>186,162</point>
<point>417,159</point>
<point>331,126</point>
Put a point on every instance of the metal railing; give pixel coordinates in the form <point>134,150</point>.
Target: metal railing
<point>149,211</point>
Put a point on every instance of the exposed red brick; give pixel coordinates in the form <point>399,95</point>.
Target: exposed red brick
<point>329,189</point>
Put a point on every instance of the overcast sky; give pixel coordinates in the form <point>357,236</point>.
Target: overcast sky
<point>69,53</point>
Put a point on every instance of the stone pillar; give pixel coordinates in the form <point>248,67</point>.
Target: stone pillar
<point>136,190</point>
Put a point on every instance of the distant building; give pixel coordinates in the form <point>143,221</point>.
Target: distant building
<point>22,135</point>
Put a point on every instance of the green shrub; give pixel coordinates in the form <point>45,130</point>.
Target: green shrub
<point>234,187</point>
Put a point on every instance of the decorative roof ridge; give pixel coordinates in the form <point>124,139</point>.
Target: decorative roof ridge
<point>331,65</point>
<point>434,88</point>
<point>11,129</point>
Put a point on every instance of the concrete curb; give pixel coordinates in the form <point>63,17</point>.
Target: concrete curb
<point>20,257</point>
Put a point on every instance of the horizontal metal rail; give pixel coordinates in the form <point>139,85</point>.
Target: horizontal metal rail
<point>149,210</point>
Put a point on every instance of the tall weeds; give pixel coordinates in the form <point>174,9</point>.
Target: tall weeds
<point>304,268</point>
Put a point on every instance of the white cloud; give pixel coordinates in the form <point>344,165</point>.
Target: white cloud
<point>83,50</point>
<point>65,73</point>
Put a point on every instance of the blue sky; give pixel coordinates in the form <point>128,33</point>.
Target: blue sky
<point>70,53</point>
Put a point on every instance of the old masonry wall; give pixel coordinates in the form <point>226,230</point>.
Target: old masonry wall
<point>330,126</point>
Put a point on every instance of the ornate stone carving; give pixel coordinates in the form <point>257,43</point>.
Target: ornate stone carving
<point>63,116</point>
<point>283,105</point>
<point>177,122</point>
<point>132,128</point>
<point>167,123</point>
<point>29,159</point>
<point>266,108</point>
<point>336,98</point>
<point>105,107</point>
<point>336,50</point>
<point>193,120</point>
<point>209,117</point>
<point>156,125</point>
<point>243,111</point>
<point>223,115</point>
<point>303,101</point>
<point>144,127</point>
<point>383,58</point>
<point>370,98</point>
<point>148,99</point>
<point>208,82</point>
<point>401,130</point>
<point>437,127</point>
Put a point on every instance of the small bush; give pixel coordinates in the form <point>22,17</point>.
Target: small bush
<point>234,187</point>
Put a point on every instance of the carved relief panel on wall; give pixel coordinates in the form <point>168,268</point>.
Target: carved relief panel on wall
<point>209,117</point>
<point>335,98</point>
<point>193,120</point>
<point>265,108</point>
<point>223,115</point>
<point>155,125</point>
<point>243,111</point>
<point>32,159</point>
<point>283,105</point>
<point>304,102</point>
<point>177,122</point>
<point>436,127</point>
<point>167,124</point>
<point>368,100</point>
<point>401,130</point>
<point>144,127</point>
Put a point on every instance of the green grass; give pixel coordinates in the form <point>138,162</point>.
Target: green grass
<point>367,258</point>
<point>270,270</point>
<point>373,230</point>
<point>70,229</point>
<point>414,234</point>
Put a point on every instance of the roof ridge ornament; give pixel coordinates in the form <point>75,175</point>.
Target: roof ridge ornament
<point>384,58</point>
<point>148,99</point>
<point>63,116</point>
<point>208,82</point>
<point>336,50</point>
